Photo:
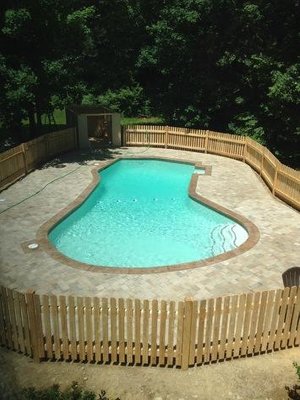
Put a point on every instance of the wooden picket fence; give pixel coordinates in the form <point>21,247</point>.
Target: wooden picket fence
<point>20,160</point>
<point>144,332</point>
<point>284,182</point>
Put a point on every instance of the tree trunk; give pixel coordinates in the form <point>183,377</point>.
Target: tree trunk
<point>32,124</point>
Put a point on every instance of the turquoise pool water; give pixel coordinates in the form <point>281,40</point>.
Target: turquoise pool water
<point>140,215</point>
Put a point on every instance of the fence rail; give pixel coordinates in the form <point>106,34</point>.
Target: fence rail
<point>20,160</point>
<point>284,182</point>
<point>180,334</point>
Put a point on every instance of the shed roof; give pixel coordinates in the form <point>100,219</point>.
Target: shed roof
<point>88,109</point>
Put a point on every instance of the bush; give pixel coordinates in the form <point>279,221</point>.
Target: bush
<point>294,391</point>
<point>74,392</point>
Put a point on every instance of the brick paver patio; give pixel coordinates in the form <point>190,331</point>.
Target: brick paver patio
<point>232,184</point>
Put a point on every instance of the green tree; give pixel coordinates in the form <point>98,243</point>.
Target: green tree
<point>43,45</point>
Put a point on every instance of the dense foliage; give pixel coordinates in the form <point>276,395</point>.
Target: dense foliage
<point>226,65</point>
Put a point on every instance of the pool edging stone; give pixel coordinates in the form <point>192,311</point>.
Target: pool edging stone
<point>45,244</point>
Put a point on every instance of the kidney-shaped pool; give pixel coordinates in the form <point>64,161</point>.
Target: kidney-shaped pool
<point>141,215</point>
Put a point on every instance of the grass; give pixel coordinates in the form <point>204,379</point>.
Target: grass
<point>142,120</point>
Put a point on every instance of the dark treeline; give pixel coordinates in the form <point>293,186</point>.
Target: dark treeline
<point>225,65</point>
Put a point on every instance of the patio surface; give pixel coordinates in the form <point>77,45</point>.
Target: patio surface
<point>232,184</point>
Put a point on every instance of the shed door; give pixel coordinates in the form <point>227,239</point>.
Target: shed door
<point>100,126</point>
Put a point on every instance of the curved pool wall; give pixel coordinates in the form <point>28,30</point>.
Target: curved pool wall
<point>141,216</point>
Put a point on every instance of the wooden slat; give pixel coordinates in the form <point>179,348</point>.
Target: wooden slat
<point>201,324</point>
<point>8,332</point>
<point>39,325</point>
<point>179,333</point>
<point>137,331</point>
<point>288,318</point>
<point>224,327</point>
<point>282,313</point>
<point>253,323</point>
<point>239,325</point>
<point>64,327</point>
<point>260,324</point>
<point>24,312</point>
<point>105,329</point>
<point>275,316</point>
<point>193,349</point>
<point>96,306</point>
<point>55,325</point>
<point>47,326</point>
<point>121,322</point>
<point>11,309</point>
<point>18,322</point>
<point>129,326</point>
<point>295,321</point>
<point>267,324</point>
<point>72,328</point>
<point>145,331</point>
<point>208,329</point>
<point>89,329</point>
<point>80,321</point>
<point>153,355</point>
<point>113,327</point>
<point>231,327</point>
<point>162,332</point>
<point>216,329</point>
<point>171,327</point>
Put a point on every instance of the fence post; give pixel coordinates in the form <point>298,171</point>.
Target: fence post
<point>275,180</point>
<point>24,158</point>
<point>206,141</point>
<point>187,323</point>
<point>166,137</point>
<point>245,148</point>
<point>262,162</point>
<point>35,324</point>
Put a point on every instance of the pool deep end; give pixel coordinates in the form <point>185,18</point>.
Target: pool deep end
<point>123,204</point>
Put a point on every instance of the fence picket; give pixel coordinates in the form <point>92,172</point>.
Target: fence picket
<point>11,309</point>
<point>18,322</point>
<point>288,317</point>
<point>105,330</point>
<point>25,320</point>
<point>121,323</point>
<point>162,332</point>
<point>253,323</point>
<point>179,334</point>
<point>224,327</point>
<point>129,325</point>
<point>89,331</point>
<point>47,326</point>
<point>200,339</point>
<point>282,314</point>
<point>80,318</point>
<point>231,328</point>
<point>72,328</point>
<point>54,318</point>
<point>96,317</point>
<point>145,331</point>
<point>216,329</point>
<point>171,324</point>
<point>153,356</point>
<point>137,331</point>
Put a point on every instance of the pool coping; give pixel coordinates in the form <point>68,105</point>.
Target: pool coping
<point>45,244</point>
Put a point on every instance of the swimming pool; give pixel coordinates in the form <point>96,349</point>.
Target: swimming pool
<point>141,216</point>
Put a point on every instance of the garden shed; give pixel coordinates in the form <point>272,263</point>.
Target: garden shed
<point>96,122</point>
